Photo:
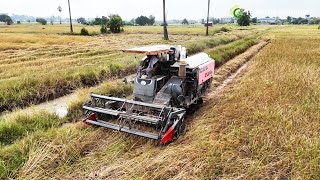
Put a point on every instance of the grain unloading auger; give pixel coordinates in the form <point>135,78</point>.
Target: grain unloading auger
<point>166,86</point>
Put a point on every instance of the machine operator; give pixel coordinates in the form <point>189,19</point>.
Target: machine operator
<point>150,66</point>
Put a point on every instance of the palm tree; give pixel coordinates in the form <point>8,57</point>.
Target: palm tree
<point>207,30</point>
<point>71,29</point>
<point>165,30</point>
<point>60,9</point>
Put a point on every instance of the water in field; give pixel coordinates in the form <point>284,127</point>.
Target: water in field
<point>58,106</point>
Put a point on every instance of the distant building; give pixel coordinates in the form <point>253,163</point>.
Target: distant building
<point>209,24</point>
<point>227,20</point>
<point>268,20</point>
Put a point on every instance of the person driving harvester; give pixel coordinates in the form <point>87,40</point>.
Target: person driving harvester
<point>150,66</point>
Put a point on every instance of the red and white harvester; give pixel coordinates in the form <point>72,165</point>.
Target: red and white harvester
<point>160,101</point>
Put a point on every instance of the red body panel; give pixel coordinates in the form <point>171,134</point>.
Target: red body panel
<point>205,72</point>
<point>168,136</point>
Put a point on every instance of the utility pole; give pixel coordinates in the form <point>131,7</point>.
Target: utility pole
<point>207,30</point>
<point>165,30</point>
<point>60,9</point>
<point>71,29</point>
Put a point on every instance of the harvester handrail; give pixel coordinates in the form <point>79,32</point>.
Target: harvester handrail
<point>128,101</point>
<point>101,110</point>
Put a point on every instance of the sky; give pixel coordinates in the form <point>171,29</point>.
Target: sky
<point>176,9</point>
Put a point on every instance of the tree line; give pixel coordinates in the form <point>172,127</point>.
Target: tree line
<point>300,20</point>
<point>111,24</point>
<point>144,20</point>
<point>6,19</point>
<point>245,19</point>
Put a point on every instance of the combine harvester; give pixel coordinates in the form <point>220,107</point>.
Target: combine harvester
<point>166,86</point>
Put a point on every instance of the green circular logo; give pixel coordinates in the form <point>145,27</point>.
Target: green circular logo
<point>236,11</point>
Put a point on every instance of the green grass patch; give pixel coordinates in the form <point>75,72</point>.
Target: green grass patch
<point>226,52</point>
<point>23,124</point>
<point>198,46</point>
<point>37,145</point>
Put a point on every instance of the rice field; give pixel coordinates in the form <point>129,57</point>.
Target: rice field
<point>37,138</point>
<point>40,64</point>
<point>265,125</point>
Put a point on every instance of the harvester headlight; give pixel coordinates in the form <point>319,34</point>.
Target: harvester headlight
<point>143,83</point>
